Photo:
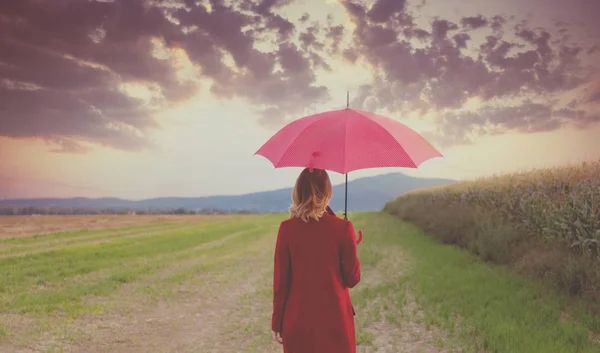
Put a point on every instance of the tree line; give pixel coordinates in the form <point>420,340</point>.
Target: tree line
<point>32,210</point>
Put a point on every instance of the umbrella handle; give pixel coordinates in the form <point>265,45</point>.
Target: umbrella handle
<point>360,233</point>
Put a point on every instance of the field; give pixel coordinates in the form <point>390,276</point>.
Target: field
<point>195,286</point>
<point>204,285</point>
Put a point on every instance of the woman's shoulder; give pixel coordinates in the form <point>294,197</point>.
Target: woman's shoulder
<point>336,222</point>
<point>289,222</point>
<point>286,222</point>
<point>326,219</point>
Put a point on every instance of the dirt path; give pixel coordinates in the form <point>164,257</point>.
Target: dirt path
<point>224,305</point>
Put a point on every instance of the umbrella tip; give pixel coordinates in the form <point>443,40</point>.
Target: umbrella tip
<point>347,99</point>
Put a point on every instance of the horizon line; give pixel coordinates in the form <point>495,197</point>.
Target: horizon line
<point>205,196</point>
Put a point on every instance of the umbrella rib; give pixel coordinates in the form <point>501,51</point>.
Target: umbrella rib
<point>414,165</point>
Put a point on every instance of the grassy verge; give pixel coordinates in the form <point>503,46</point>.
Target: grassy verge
<point>489,307</point>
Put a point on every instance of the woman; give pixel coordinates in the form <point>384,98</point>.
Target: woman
<point>315,264</point>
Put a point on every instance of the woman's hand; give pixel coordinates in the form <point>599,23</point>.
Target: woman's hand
<point>277,337</point>
<point>359,237</point>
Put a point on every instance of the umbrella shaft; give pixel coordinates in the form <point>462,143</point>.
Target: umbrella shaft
<point>346,199</point>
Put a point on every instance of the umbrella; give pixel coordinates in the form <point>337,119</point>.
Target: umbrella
<point>346,140</point>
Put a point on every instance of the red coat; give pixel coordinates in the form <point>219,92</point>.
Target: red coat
<point>316,263</point>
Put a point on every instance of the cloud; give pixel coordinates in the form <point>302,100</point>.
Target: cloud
<point>443,68</point>
<point>283,77</point>
<point>64,65</point>
<point>334,35</point>
<point>593,93</point>
<point>474,22</point>
<point>525,117</point>
<point>79,72</point>
<point>83,73</point>
<point>594,98</point>
<point>383,10</point>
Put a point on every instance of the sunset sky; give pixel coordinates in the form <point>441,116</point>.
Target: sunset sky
<point>140,98</point>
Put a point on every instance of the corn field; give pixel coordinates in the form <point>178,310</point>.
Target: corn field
<point>559,204</point>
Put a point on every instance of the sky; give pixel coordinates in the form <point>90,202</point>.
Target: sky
<point>139,98</point>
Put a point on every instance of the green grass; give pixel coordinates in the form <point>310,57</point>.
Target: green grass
<point>496,310</point>
<point>55,280</point>
<point>35,243</point>
<point>3,333</point>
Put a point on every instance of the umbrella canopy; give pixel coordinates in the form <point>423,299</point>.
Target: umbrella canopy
<point>346,140</point>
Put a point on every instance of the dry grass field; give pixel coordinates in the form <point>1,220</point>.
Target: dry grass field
<point>203,284</point>
<point>15,226</point>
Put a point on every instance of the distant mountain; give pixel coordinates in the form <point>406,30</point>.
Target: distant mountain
<point>364,194</point>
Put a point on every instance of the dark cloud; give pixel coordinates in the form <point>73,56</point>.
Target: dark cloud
<point>284,77</point>
<point>75,115</point>
<point>383,10</point>
<point>474,22</point>
<point>461,40</point>
<point>316,46</point>
<point>356,10</point>
<point>417,33</point>
<point>350,55</point>
<point>593,49</point>
<point>334,36</point>
<point>448,68</point>
<point>304,18</point>
<point>70,70</point>
<point>593,93</point>
<point>265,7</point>
<point>440,28</point>
<point>526,117</point>
<point>63,66</point>
<point>497,23</point>
<point>77,73</point>
<point>310,38</point>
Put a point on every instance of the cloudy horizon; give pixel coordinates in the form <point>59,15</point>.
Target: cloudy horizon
<point>140,99</point>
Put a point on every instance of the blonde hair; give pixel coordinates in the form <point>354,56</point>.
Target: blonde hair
<point>311,194</point>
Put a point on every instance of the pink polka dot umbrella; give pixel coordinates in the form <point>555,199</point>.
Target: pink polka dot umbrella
<point>346,140</point>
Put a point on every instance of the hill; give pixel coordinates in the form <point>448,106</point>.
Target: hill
<point>364,194</point>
